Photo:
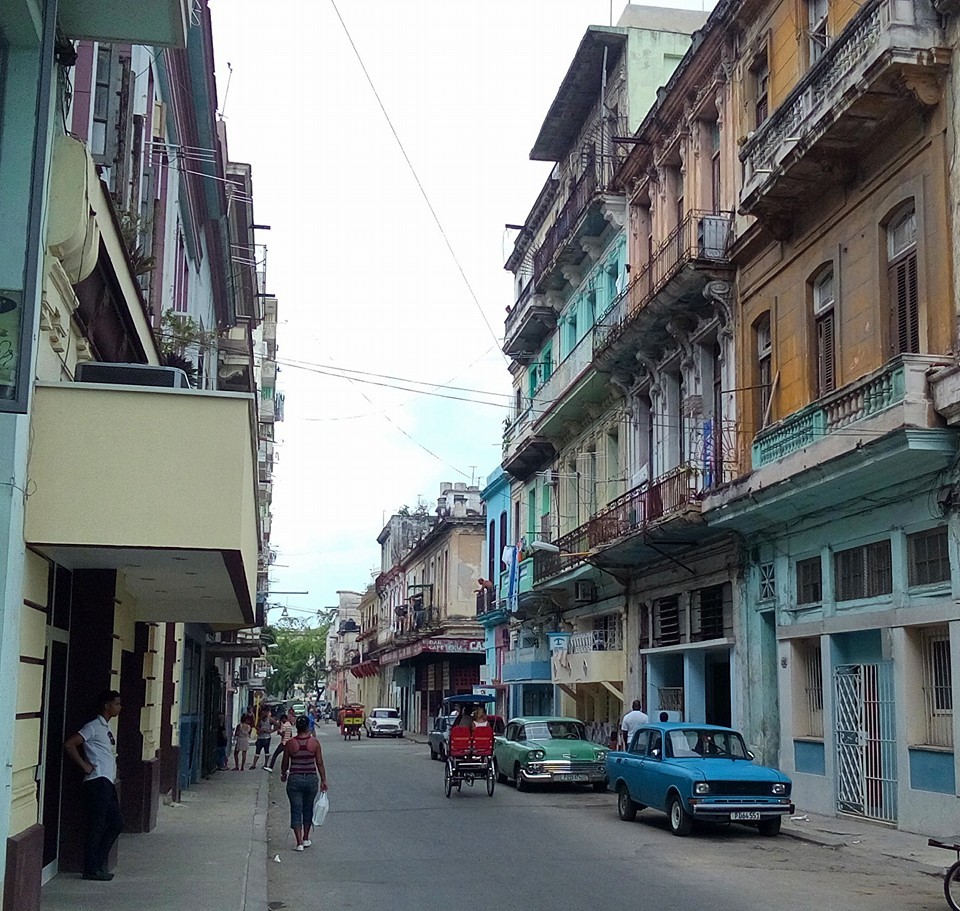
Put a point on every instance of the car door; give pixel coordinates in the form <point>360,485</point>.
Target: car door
<point>505,750</point>
<point>629,763</point>
<point>655,778</point>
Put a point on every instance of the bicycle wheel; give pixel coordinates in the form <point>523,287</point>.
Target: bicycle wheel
<point>491,780</point>
<point>951,886</point>
<point>447,780</point>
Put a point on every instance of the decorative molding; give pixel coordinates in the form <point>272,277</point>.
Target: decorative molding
<point>681,335</point>
<point>593,247</point>
<point>615,211</point>
<point>925,87</point>
<point>718,294</point>
<point>573,275</point>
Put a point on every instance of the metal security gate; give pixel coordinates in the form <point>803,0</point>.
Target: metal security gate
<point>866,745</point>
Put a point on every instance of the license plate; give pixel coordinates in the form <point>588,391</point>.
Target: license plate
<point>571,776</point>
<point>745,817</point>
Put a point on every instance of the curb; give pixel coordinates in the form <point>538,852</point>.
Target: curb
<point>255,874</point>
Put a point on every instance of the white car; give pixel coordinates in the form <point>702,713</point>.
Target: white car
<point>384,722</point>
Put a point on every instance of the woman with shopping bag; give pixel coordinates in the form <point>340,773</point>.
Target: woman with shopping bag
<point>303,771</point>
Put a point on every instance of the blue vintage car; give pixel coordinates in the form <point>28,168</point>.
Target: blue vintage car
<point>697,771</point>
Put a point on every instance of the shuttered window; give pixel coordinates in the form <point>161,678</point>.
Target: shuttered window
<point>823,301</point>
<point>902,275</point>
<point>863,572</point>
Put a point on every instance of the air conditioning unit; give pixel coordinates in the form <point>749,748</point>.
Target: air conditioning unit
<point>712,234</point>
<point>131,375</point>
<point>584,592</point>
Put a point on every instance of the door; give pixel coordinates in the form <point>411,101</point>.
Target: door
<point>51,770</point>
<point>865,736</point>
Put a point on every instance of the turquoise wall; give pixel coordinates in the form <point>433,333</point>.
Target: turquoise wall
<point>932,770</point>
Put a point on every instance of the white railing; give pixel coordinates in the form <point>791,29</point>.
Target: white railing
<point>598,640</point>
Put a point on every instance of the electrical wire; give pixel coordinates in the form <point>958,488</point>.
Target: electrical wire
<point>416,178</point>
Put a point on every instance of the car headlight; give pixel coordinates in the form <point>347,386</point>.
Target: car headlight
<point>701,787</point>
<point>601,756</point>
<point>536,755</point>
<point>779,787</point>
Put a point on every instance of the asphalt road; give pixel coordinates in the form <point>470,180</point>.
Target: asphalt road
<point>393,841</point>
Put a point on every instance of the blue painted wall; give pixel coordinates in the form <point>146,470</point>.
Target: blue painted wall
<point>809,757</point>
<point>932,770</point>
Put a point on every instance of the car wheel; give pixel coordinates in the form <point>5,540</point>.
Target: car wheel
<point>501,778</point>
<point>518,779</point>
<point>626,808</point>
<point>681,822</point>
<point>770,827</point>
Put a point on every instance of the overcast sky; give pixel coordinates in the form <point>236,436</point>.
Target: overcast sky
<point>364,277</point>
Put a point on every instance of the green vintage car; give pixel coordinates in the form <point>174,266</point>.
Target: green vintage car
<point>545,748</point>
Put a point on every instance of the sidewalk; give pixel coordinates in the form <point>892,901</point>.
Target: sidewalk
<point>853,836</point>
<point>208,852</point>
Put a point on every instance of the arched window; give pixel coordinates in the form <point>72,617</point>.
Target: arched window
<point>902,278</point>
<point>824,325</point>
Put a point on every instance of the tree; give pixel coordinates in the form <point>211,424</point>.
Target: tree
<point>297,658</point>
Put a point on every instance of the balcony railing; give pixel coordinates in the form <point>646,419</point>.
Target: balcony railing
<point>516,425</point>
<point>522,300</point>
<point>882,30</point>
<point>629,513</point>
<point>598,640</point>
<point>566,221</point>
<point>567,372</point>
<point>702,237</point>
<point>846,406</point>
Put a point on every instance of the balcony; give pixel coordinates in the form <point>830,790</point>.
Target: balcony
<point>673,283</point>
<point>569,389</point>
<point>156,484</point>
<point>587,664</point>
<point>878,431</point>
<point>530,321</point>
<point>889,58</point>
<point>632,529</point>
<point>157,24</point>
<point>523,452</point>
<point>526,664</point>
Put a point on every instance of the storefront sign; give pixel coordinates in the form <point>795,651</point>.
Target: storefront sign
<point>436,646</point>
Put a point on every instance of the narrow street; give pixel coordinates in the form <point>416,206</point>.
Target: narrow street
<point>393,840</point>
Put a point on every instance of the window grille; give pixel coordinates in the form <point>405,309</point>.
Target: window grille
<point>813,688</point>
<point>809,581</point>
<point>768,582</point>
<point>607,633</point>
<point>710,613</point>
<point>666,622</point>
<point>671,699</point>
<point>863,572</point>
<point>937,685</point>
<point>928,557</point>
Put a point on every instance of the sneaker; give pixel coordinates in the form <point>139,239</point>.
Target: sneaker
<point>307,842</point>
<point>267,769</point>
<point>298,848</point>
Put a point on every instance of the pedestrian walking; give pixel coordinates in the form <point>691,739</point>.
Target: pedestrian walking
<point>633,720</point>
<point>265,728</point>
<point>303,770</point>
<point>241,742</point>
<point>93,749</point>
<point>286,732</point>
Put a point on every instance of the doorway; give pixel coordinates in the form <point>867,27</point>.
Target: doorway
<point>866,741</point>
<point>52,737</point>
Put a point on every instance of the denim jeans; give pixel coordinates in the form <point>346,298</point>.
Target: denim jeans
<point>302,792</point>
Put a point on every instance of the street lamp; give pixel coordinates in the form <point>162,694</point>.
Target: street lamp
<point>548,548</point>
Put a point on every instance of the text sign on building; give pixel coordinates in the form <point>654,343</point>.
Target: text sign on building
<point>558,641</point>
<point>439,646</point>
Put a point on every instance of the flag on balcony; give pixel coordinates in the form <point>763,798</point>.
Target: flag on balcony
<point>509,557</point>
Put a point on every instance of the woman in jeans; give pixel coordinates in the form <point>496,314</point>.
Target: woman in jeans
<point>302,769</point>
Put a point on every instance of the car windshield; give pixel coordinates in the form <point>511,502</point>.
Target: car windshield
<point>554,730</point>
<point>384,713</point>
<point>696,742</point>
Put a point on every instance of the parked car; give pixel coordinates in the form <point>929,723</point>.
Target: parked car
<point>384,722</point>
<point>439,737</point>
<point>546,748</point>
<point>697,771</point>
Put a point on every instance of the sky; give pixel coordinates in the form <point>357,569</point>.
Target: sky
<point>365,278</point>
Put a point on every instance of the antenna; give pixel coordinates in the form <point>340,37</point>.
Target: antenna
<point>226,91</point>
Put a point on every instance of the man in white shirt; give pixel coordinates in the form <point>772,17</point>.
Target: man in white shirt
<point>94,749</point>
<point>632,721</point>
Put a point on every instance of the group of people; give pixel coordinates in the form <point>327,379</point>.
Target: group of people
<point>471,717</point>
<point>93,750</point>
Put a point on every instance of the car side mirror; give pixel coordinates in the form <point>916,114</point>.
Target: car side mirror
<point>750,756</point>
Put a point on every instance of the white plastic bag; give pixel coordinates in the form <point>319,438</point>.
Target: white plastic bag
<point>321,806</point>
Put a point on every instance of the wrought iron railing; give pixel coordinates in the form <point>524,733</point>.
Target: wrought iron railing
<point>517,309</point>
<point>629,513</point>
<point>702,237</point>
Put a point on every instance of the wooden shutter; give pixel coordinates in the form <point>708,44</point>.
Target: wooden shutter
<point>826,355</point>
<point>904,297</point>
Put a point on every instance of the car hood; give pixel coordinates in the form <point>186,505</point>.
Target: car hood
<point>718,769</point>
<point>566,749</point>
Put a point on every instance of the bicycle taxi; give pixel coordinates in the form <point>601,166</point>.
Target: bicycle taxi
<point>351,721</point>
<point>470,751</point>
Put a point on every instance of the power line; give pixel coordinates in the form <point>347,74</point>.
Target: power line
<point>416,178</point>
